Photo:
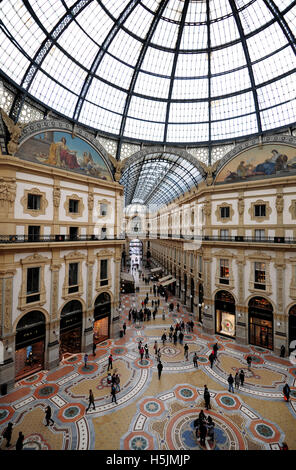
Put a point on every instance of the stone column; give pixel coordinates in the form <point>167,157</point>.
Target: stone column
<point>7,368</point>
<point>87,337</point>
<point>115,319</point>
<point>279,204</point>
<point>52,351</point>
<point>208,315</point>
<point>281,324</point>
<point>241,312</point>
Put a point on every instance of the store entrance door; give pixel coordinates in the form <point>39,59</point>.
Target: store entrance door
<point>71,329</point>
<point>102,315</point>
<point>261,323</point>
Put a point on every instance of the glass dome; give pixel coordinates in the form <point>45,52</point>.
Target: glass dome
<point>165,71</point>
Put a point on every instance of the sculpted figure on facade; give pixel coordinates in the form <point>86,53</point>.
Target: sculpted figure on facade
<point>15,132</point>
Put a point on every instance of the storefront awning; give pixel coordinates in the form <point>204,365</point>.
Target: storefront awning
<point>169,281</point>
<point>165,278</point>
<point>156,270</point>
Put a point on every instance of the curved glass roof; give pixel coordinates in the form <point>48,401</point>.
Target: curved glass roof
<point>167,71</point>
<point>157,179</point>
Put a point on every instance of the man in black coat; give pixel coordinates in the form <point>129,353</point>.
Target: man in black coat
<point>159,367</point>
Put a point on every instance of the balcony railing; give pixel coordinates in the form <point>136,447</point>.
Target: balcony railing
<point>236,238</point>
<point>56,238</point>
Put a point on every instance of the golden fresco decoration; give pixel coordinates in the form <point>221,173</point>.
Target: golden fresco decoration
<point>60,149</point>
<point>266,161</point>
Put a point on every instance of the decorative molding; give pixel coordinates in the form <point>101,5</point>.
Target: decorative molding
<point>79,213</point>
<point>56,196</point>
<point>7,192</point>
<point>218,213</point>
<point>292,209</point>
<point>37,261</point>
<point>260,218</point>
<point>43,202</point>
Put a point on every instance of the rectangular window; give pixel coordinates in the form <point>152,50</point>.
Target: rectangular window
<point>224,271</point>
<point>104,272</point>
<point>260,210</point>
<point>260,278</point>
<point>33,233</point>
<point>200,266</point>
<point>103,209</point>
<point>73,233</point>
<point>259,234</point>
<point>73,206</point>
<point>224,212</point>
<point>34,202</point>
<point>224,233</point>
<point>73,278</point>
<point>33,281</point>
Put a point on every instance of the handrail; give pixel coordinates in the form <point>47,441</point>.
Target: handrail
<point>55,238</point>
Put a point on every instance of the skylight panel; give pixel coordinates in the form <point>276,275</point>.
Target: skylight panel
<point>194,37</point>
<point>254,16</point>
<point>95,22</point>
<point>266,42</point>
<point>189,112</point>
<point>13,62</point>
<point>192,65</point>
<point>230,82</point>
<point>234,127</point>
<point>232,106</point>
<point>190,89</point>
<point>49,12</point>
<point>52,94</point>
<point>115,7</point>
<point>144,130</point>
<point>142,108</point>
<point>275,65</point>
<point>115,72</point>
<point>277,92</point>
<point>125,47</point>
<point>223,31</point>
<point>78,44</point>
<point>95,116</point>
<point>139,21</point>
<point>165,34</point>
<point>152,86</point>
<point>158,61</point>
<point>228,58</point>
<point>105,95</point>
<point>188,132</point>
<point>64,70</point>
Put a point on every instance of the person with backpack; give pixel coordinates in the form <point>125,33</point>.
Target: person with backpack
<point>242,378</point>
<point>207,397</point>
<point>186,349</point>
<point>7,433</point>
<point>286,392</point>
<point>91,401</point>
<point>20,441</point>
<point>230,381</point>
<point>249,362</point>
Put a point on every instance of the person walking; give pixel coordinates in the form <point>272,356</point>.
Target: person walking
<point>85,360</point>
<point>175,337</point>
<point>230,381</point>
<point>181,336</point>
<point>91,401</point>
<point>158,355</point>
<point>146,351</point>
<point>155,347</point>
<point>170,337</point>
<point>195,360</point>
<point>210,429</point>
<point>163,338</point>
<point>159,367</point>
<point>242,378</point>
<point>141,351</point>
<point>48,416</point>
<point>207,397</point>
<point>117,383</point>
<point>94,348</point>
<point>215,350</point>
<point>211,359</point>
<point>249,362</point>
<point>286,391</point>
<point>236,380</point>
<point>202,433</point>
<point>186,349</point>
<point>7,434</point>
<point>20,441</point>
<point>113,393</point>
<point>110,362</point>
<point>124,328</point>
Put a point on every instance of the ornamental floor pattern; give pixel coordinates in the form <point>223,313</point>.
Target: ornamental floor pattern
<point>150,413</point>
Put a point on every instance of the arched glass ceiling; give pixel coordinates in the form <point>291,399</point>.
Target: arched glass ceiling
<point>156,179</point>
<point>169,71</point>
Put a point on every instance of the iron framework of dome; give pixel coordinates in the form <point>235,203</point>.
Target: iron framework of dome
<point>164,71</point>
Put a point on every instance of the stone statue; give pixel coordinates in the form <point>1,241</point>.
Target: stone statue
<point>15,131</point>
<point>209,170</point>
<point>118,165</point>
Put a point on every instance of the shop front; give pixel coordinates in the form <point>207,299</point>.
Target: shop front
<point>225,313</point>
<point>200,301</point>
<point>71,328</point>
<point>292,325</point>
<point>102,316</point>
<point>29,344</point>
<point>261,322</point>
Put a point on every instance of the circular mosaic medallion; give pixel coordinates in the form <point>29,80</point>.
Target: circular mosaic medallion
<point>202,359</point>
<point>169,351</point>
<point>71,412</point>
<point>35,442</point>
<point>188,338</point>
<point>264,430</point>
<point>228,401</point>
<point>90,369</point>
<point>180,433</point>
<point>139,443</point>
<point>152,407</point>
<point>186,393</point>
<point>3,414</point>
<point>46,391</point>
<point>118,351</point>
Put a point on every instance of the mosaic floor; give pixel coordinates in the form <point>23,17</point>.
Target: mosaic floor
<point>150,413</point>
